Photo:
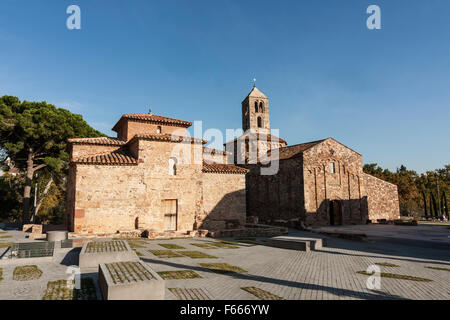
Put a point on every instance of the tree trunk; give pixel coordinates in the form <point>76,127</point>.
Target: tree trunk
<point>41,199</point>
<point>27,190</point>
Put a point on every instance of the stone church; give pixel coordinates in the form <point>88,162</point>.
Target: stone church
<point>316,183</point>
<point>154,176</point>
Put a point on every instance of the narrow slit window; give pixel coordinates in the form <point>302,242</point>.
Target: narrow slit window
<point>158,129</point>
<point>332,168</point>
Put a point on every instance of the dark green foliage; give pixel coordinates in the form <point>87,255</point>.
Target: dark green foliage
<point>33,137</point>
<point>425,203</point>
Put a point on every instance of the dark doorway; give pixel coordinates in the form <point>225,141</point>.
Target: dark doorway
<point>335,212</point>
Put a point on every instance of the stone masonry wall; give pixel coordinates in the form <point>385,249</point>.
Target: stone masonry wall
<point>382,198</point>
<point>279,196</point>
<point>223,200</point>
<point>322,186</point>
<point>84,150</point>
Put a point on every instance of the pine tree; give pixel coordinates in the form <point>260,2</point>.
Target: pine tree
<point>444,204</point>
<point>425,203</point>
<point>435,208</point>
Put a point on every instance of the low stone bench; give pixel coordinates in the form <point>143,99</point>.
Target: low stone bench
<point>297,243</point>
<point>130,280</point>
<point>96,252</point>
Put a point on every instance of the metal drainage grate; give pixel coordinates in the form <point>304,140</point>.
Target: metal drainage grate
<point>31,250</point>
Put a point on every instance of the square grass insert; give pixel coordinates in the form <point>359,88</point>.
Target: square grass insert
<point>6,244</point>
<point>181,274</point>
<point>222,268</point>
<point>196,255</point>
<point>438,268</point>
<point>396,276</point>
<point>223,245</point>
<point>25,273</point>
<point>1,274</point>
<point>204,245</point>
<point>171,246</point>
<point>5,237</point>
<point>63,290</point>
<point>261,294</point>
<point>127,272</point>
<point>165,254</point>
<point>135,244</point>
<point>386,264</point>
<point>106,246</point>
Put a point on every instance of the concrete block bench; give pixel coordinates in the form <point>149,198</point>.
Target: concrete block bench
<point>96,252</point>
<point>130,280</point>
<point>297,243</point>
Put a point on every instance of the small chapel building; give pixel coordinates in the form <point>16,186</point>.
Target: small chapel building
<point>154,177</point>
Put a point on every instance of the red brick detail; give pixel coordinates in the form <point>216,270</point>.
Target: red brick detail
<point>79,213</point>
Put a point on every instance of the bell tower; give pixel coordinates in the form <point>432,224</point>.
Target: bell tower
<point>255,112</point>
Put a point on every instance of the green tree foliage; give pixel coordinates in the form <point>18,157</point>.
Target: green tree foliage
<point>33,137</point>
<point>409,183</point>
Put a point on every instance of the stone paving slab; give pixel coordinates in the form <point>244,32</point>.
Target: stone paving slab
<point>329,273</point>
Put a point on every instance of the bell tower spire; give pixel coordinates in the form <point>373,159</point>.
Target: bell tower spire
<point>255,111</point>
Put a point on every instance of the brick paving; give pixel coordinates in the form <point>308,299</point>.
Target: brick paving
<point>329,273</point>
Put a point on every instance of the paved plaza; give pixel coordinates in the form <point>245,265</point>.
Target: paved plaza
<point>327,273</point>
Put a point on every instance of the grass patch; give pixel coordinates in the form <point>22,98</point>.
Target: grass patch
<point>25,273</point>
<point>196,255</point>
<point>222,268</point>
<point>396,276</point>
<point>138,253</point>
<point>222,245</point>
<point>1,274</point>
<point>203,245</point>
<point>165,254</point>
<point>63,290</point>
<point>261,294</point>
<point>181,274</point>
<point>386,264</point>
<point>171,246</point>
<point>3,232</point>
<point>250,239</point>
<point>135,244</point>
<point>6,244</point>
<point>438,268</point>
<point>5,237</point>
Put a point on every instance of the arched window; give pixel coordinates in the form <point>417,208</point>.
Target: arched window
<point>261,107</point>
<point>173,166</point>
<point>332,168</point>
<point>158,129</point>
<point>259,122</point>
<point>256,106</point>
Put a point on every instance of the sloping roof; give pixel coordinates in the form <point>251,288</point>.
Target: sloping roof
<point>152,118</point>
<point>106,141</point>
<point>295,150</point>
<point>117,157</point>
<point>256,93</point>
<point>223,168</point>
<point>166,137</point>
<point>259,136</point>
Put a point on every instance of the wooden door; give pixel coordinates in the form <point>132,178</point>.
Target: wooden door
<point>170,215</point>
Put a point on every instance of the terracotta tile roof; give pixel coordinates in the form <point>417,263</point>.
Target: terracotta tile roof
<point>214,151</point>
<point>148,117</point>
<point>295,150</point>
<point>166,137</point>
<point>223,168</point>
<point>260,136</point>
<point>108,141</point>
<point>117,157</point>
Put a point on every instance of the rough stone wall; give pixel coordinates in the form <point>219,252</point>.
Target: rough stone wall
<point>106,198</point>
<point>214,157</point>
<point>110,198</point>
<point>250,116</point>
<point>382,198</point>
<point>345,185</point>
<point>278,196</point>
<point>130,128</point>
<point>223,200</point>
<point>257,149</point>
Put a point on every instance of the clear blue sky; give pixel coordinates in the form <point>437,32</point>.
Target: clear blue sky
<point>384,93</point>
